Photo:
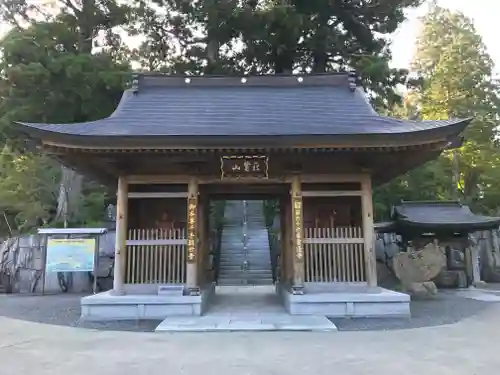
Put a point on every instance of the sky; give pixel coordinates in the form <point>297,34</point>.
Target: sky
<point>483,12</point>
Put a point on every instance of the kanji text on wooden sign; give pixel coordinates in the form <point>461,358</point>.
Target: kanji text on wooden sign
<point>244,166</point>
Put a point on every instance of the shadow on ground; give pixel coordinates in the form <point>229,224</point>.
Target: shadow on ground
<point>64,309</point>
<point>445,308</point>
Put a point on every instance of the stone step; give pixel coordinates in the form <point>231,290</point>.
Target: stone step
<point>242,258</point>
<point>239,268</point>
<point>263,263</point>
<point>249,253</point>
<point>234,282</point>
<point>244,241</point>
<point>253,276</point>
<point>228,267</point>
<point>255,264</point>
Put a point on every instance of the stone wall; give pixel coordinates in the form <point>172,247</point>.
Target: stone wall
<point>21,267</point>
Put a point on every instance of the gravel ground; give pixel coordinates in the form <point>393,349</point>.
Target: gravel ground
<point>64,309</point>
<point>445,308</point>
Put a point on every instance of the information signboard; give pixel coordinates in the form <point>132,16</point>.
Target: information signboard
<point>70,255</point>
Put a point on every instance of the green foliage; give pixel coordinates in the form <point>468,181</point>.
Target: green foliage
<point>272,36</point>
<point>457,75</point>
<point>271,209</point>
<point>28,189</point>
<point>45,77</point>
<point>72,66</point>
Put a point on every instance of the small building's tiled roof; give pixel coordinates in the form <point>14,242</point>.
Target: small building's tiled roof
<point>253,106</point>
<point>438,216</point>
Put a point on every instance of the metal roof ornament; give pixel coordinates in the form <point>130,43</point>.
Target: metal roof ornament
<point>135,83</point>
<point>353,78</point>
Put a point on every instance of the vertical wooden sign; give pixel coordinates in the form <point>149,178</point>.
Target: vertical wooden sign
<point>191,229</point>
<point>297,219</point>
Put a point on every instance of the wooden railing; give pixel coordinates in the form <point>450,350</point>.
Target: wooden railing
<point>156,256</point>
<point>334,255</point>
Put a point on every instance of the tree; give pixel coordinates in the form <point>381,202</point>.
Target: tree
<point>89,24</point>
<point>45,78</point>
<point>272,36</point>
<point>459,83</point>
<point>431,181</point>
<point>457,76</point>
<point>28,190</point>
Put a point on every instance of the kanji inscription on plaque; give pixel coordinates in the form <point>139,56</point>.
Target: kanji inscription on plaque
<point>244,166</point>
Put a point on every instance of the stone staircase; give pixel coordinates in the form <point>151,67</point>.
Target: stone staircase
<point>244,256</point>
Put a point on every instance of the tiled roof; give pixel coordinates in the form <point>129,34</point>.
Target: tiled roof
<point>441,215</point>
<point>255,106</point>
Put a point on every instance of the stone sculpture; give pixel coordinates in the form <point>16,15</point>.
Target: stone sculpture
<point>416,269</point>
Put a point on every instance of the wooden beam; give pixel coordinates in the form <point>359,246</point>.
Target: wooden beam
<point>336,241</point>
<point>121,237</point>
<point>297,236</point>
<point>192,238</point>
<point>156,242</point>
<point>184,179</point>
<point>368,231</point>
<point>288,240</point>
<point>377,143</point>
<point>152,195</point>
<point>158,179</point>
<point>332,193</point>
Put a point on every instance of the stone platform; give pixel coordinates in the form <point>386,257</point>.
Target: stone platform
<point>142,304</point>
<point>346,300</point>
<point>251,306</point>
<point>216,322</point>
<point>246,308</point>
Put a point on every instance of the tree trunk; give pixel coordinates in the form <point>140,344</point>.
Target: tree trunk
<point>70,192</point>
<point>70,187</point>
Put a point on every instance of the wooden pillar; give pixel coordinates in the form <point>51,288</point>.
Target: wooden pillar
<point>368,231</point>
<point>297,236</point>
<point>192,287</point>
<point>202,241</point>
<point>121,236</point>
<point>288,243</point>
<point>476,265</point>
<point>284,238</point>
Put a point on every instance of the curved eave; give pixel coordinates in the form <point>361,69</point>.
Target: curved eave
<point>385,227</point>
<point>486,223</point>
<point>434,131</point>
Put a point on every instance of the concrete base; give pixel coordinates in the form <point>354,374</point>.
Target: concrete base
<point>107,306</point>
<point>347,300</point>
<point>215,322</point>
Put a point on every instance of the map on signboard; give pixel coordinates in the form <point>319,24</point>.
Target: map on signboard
<point>70,255</point>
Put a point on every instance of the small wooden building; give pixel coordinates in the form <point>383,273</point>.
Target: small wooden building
<point>450,223</point>
<point>175,143</point>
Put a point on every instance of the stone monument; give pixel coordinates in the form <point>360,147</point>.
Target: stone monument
<point>416,269</point>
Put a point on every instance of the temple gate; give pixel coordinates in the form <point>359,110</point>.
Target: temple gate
<point>313,142</point>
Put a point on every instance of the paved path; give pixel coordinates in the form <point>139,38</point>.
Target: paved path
<point>465,348</point>
<point>246,308</point>
<point>485,295</point>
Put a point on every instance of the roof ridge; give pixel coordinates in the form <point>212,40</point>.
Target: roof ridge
<point>340,79</point>
<point>430,203</point>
